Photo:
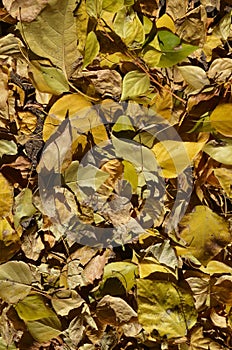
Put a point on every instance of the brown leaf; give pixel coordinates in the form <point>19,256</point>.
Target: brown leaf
<point>25,10</point>
<point>115,311</point>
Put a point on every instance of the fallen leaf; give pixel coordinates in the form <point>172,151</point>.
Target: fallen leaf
<point>15,281</point>
<point>57,45</point>
<point>114,311</point>
<point>25,10</point>
<point>134,84</point>
<point>205,234</point>
<point>175,156</point>
<point>6,197</point>
<point>166,308</point>
<point>220,119</point>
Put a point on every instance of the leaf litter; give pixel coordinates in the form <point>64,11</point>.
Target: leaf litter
<point>80,76</point>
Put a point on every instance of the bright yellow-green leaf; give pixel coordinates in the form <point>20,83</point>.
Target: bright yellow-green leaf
<point>48,79</point>
<point>15,281</point>
<point>134,84</point>
<point>168,50</point>
<point>33,307</point>
<point>164,307</point>
<point>166,21</point>
<point>220,119</point>
<point>205,234</point>
<point>128,27</point>
<point>6,196</point>
<point>174,156</point>
<point>53,34</point>
<point>92,49</point>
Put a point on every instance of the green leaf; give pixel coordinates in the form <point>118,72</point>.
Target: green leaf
<point>15,281</point>
<point>33,307</point>
<point>221,152</point>
<point>53,34</point>
<point>23,206</point>
<point>48,79</point>
<point>205,234</point>
<point>166,50</point>
<point>134,84</point>
<point>172,58</point>
<point>92,49</point>
<point>166,308</point>
<point>112,5</point>
<point>44,329</point>
<point>168,41</point>
<point>7,147</point>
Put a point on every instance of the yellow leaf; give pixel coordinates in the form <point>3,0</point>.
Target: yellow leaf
<point>174,156</point>
<point>164,104</point>
<point>28,122</point>
<point>220,119</point>
<point>6,196</point>
<point>205,234</point>
<point>71,103</point>
<point>224,177</point>
<point>9,240</point>
<point>166,21</point>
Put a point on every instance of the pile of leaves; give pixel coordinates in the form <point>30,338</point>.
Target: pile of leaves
<point>115,174</point>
